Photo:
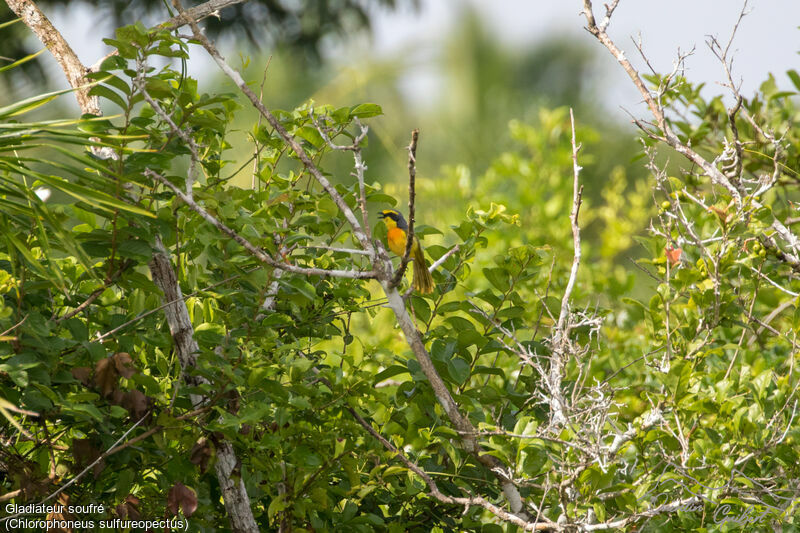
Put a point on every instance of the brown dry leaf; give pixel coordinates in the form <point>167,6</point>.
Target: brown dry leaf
<point>32,487</point>
<point>233,401</point>
<point>181,496</point>
<point>129,508</point>
<point>124,365</point>
<point>82,374</point>
<point>135,402</point>
<point>85,453</point>
<point>201,453</point>
<point>105,376</point>
<point>117,397</point>
<point>63,500</point>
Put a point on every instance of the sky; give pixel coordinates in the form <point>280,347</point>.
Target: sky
<point>768,39</point>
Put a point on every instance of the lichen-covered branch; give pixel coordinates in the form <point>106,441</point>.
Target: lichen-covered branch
<point>63,53</point>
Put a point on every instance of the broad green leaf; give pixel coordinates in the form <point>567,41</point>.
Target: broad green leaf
<point>390,372</point>
<point>366,110</point>
<point>108,94</point>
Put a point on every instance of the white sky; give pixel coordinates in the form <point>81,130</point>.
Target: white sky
<point>768,39</point>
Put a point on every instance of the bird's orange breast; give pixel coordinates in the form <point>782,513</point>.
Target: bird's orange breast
<point>396,239</point>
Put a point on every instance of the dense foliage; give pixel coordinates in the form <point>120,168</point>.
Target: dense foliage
<point>604,416</point>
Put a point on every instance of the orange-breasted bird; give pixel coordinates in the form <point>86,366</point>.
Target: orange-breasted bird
<point>396,236</point>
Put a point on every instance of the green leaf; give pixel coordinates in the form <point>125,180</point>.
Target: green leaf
<point>795,77</point>
<point>135,249</point>
<point>458,369</point>
<point>499,278</point>
<point>108,94</point>
<point>302,287</point>
<point>781,94</point>
<point>25,59</point>
<point>277,505</point>
<point>26,253</point>
<point>209,334</point>
<point>460,323</point>
<point>489,370</point>
<point>366,110</point>
<point>29,104</point>
<point>85,411</point>
<point>443,351</point>
<point>84,194</point>
<point>381,197</point>
<point>300,402</point>
<point>394,370</point>
<point>599,511</point>
<point>110,79</point>
<point>310,134</point>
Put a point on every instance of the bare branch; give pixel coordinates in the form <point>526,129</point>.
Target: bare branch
<point>198,13</point>
<point>185,137</point>
<point>15,326</point>
<point>395,300</point>
<point>445,399</point>
<point>254,250</point>
<point>412,174</point>
<point>577,193</point>
<point>664,508</point>
<point>96,294</point>
<point>359,167</point>
<point>649,420</point>
<point>358,230</point>
<point>560,340</point>
<point>234,493</point>
<point>609,11</point>
<point>352,251</point>
<point>434,491</point>
<point>436,264</point>
<point>670,138</point>
<point>63,53</point>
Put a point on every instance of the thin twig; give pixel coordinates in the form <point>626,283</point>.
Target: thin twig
<point>670,138</point>
<point>85,470</point>
<point>412,175</point>
<point>436,264</point>
<point>434,491</point>
<point>185,137</point>
<point>198,13</point>
<point>254,250</point>
<point>96,294</point>
<point>560,339</point>
<point>15,326</point>
<point>301,154</point>
<point>353,251</point>
<point>577,193</point>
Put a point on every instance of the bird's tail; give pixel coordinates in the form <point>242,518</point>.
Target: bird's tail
<point>423,281</point>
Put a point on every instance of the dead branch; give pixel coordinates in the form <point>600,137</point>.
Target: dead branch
<point>412,174</point>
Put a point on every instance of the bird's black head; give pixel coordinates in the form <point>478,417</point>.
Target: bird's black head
<point>396,216</point>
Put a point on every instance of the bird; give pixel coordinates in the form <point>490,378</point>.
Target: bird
<point>396,237</point>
